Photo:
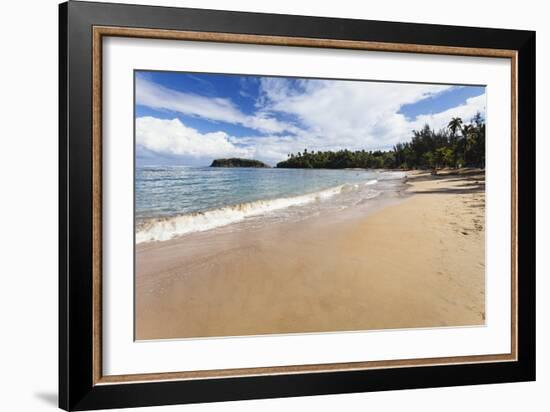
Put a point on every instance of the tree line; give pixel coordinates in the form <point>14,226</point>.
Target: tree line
<point>460,144</point>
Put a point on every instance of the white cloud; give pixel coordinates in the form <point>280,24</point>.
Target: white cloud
<point>174,138</point>
<point>332,115</point>
<point>465,111</point>
<point>345,113</point>
<point>155,96</point>
<point>357,115</point>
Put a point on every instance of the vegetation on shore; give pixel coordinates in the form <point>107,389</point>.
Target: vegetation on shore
<point>237,162</point>
<point>459,144</point>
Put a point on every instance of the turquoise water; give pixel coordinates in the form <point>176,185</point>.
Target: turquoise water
<point>176,200</point>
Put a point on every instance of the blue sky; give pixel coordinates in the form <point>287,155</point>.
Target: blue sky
<point>192,118</point>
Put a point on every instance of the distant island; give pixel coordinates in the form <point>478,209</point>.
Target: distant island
<point>238,162</point>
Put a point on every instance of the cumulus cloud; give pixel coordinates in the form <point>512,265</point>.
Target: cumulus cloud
<point>357,115</point>
<point>465,111</point>
<point>174,138</point>
<point>320,115</point>
<point>345,113</point>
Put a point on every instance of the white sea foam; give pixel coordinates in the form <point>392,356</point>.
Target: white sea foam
<point>393,175</point>
<point>170,227</point>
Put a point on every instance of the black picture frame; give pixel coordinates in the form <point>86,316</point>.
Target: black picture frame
<point>77,390</point>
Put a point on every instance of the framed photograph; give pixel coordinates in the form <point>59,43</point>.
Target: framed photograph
<point>257,205</point>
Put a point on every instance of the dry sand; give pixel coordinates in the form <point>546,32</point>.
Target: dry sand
<point>416,262</point>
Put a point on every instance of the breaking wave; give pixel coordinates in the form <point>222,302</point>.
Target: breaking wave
<point>159,229</point>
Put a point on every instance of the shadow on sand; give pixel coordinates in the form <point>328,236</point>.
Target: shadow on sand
<point>474,182</point>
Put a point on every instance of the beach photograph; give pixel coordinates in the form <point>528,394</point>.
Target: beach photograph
<point>283,205</point>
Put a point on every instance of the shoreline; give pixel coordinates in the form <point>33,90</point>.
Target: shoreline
<point>414,260</point>
<point>169,227</point>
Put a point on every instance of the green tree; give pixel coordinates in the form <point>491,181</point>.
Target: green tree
<point>426,148</point>
<point>428,160</point>
<point>455,125</point>
<point>467,138</point>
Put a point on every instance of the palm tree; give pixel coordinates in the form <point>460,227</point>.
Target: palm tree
<point>454,125</point>
<point>467,132</point>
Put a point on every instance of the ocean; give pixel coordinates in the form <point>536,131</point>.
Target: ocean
<point>172,201</point>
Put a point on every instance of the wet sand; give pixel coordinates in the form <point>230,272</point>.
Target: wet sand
<point>413,261</point>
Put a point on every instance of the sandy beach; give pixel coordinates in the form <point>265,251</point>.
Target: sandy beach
<point>414,260</point>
